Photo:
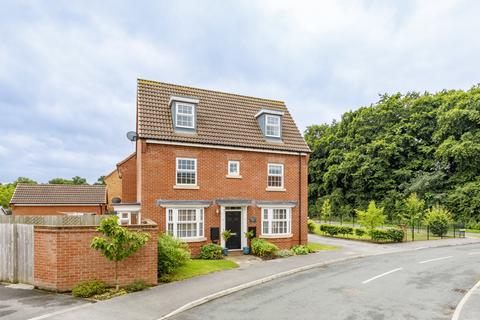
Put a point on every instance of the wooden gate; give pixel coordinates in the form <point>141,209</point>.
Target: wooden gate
<point>16,252</point>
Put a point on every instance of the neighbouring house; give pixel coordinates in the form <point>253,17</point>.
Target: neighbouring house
<point>209,161</point>
<point>58,199</point>
<point>122,181</point>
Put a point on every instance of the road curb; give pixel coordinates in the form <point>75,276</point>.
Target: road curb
<point>253,283</point>
<point>459,308</point>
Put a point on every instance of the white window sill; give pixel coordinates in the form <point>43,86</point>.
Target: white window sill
<point>276,189</point>
<point>233,177</point>
<point>190,187</point>
<point>199,239</point>
<point>276,236</point>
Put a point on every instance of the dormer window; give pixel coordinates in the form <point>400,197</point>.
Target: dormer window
<point>270,122</point>
<point>272,126</point>
<point>185,115</point>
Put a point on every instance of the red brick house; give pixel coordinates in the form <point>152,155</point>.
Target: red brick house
<point>58,199</point>
<point>208,161</point>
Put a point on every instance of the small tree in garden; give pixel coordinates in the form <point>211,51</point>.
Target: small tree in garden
<point>413,211</point>
<point>438,218</point>
<point>117,242</point>
<point>372,217</point>
<point>326,210</point>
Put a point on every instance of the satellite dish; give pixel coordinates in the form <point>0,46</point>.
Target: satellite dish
<point>132,136</point>
<point>116,200</point>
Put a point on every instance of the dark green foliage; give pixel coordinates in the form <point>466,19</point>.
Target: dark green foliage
<point>137,285</point>
<point>211,251</point>
<point>311,225</point>
<point>360,232</point>
<point>428,144</point>
<point>89,288</point>
<point>301,250</point>
<point>387,235</point>
<point>74,180</point>
<point>172,253</point>
<point>263,248</point>
<point>334,230</point>
<point>395,234</point>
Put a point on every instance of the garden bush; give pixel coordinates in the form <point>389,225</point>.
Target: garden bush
<point>211,251</point>
<point>263,248</point>
<point>311,226</point>
<point>360,232</point>
<point>137,285</point>
<point>395,234</point>
<point>89,288</point>
<point>172,253</point>
<point>438,219</point>
<point>301,249</point>
<point>284,253</point>
<point>334,230</point>
<point>391,234</point>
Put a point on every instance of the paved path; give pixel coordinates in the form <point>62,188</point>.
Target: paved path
<point>416,285</point>
<point>163,299</point>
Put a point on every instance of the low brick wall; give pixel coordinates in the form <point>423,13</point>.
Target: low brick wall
<point>63,258</point>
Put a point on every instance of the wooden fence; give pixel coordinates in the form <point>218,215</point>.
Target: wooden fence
<point>16,252</point>
<point>66,220</point>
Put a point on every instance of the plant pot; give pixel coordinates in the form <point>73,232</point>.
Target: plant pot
<point>225,251</point>
<point>246,250</point>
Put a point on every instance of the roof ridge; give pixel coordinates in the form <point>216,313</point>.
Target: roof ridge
<point>139,80</point>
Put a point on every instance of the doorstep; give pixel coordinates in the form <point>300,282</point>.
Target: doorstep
<point>243,260</point>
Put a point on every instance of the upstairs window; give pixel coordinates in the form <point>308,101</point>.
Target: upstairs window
<point>272,126</point>
<point>275,175</point>
<point>233,168</point>
<point>186,171</point>
<point>185,115</point>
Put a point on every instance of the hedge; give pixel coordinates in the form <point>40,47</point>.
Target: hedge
<point>391,234</point>
<point>333,230</point>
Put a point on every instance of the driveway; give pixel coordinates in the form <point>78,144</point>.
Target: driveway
<point>421,284</point>
<point>24,304</point>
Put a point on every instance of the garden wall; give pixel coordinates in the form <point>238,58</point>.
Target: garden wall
<point>63,258</point>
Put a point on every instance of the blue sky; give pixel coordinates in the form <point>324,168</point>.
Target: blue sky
<point>68,69</point>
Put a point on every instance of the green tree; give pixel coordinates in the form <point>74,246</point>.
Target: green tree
<point>100,181</point>
<point>75,180</point>
<point>326,210</point>
<point>438,219</point>
<point>372,217</point>
<point>413,212</point>
<point>117,242</point>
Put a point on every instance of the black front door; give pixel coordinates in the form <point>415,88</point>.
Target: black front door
<point>233,222</point>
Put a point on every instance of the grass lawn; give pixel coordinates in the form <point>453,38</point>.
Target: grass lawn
<point>472,231</point>
<point>197,267</point>
<point>319,247</point>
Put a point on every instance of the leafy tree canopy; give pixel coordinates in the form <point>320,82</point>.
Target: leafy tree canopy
<point>74,180</point>
<point>428,144</point>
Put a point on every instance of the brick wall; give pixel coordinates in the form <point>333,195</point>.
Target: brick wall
<point>114,187</point>
<point>56,210</point>
<point>158,179</point>
<point>128,174</point>
<point>63,258</point>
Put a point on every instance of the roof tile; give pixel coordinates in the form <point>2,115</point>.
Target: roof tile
<point>59,194</point>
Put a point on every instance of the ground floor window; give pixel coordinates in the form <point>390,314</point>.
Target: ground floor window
<point>185,223</point>
<point>276,221</point>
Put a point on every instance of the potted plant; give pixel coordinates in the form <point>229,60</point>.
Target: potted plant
<point>249,235</point>
<point>227,234</point>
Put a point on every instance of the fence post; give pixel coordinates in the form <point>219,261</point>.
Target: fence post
<point>428,232</point>
<point>454,231</point>
<point>14,253</point>
<point>413,231</point>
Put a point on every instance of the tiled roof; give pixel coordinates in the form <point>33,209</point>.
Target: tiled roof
<point>222,118</point>
<point>59,194</point>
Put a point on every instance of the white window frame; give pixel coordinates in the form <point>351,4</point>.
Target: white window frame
<point>177,113</point>
<point>279,126</point>
<point>282,175</point>
<point>269,220</point>
<point>199,221</point>
<point>185,170</point>
<point>231,173</point>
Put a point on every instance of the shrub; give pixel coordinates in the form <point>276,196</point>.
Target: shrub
<point>284,253</point>
<point>89,288</point>
<point>137,285</point>
<point>360,232</point>
<point>211,251</point>
<point>391,234</point>
<point>263,248</point>
<point>438,219</point>
<point>311,226</point>
<point>372,217</point>
<point>172,253</point>
<point>334,230</point>
<point>395,234</point>
<point>301,249</point>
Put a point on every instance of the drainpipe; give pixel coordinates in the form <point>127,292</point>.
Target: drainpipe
<point>300,198</point>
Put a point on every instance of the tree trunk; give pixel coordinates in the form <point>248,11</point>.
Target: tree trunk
<point>116,276</point>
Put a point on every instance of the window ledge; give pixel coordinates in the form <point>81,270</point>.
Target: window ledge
<point>275,189</point>
<point>179,186</point>
<point>199,239</point>
<point>276,236</point>
<point>233,177</point>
